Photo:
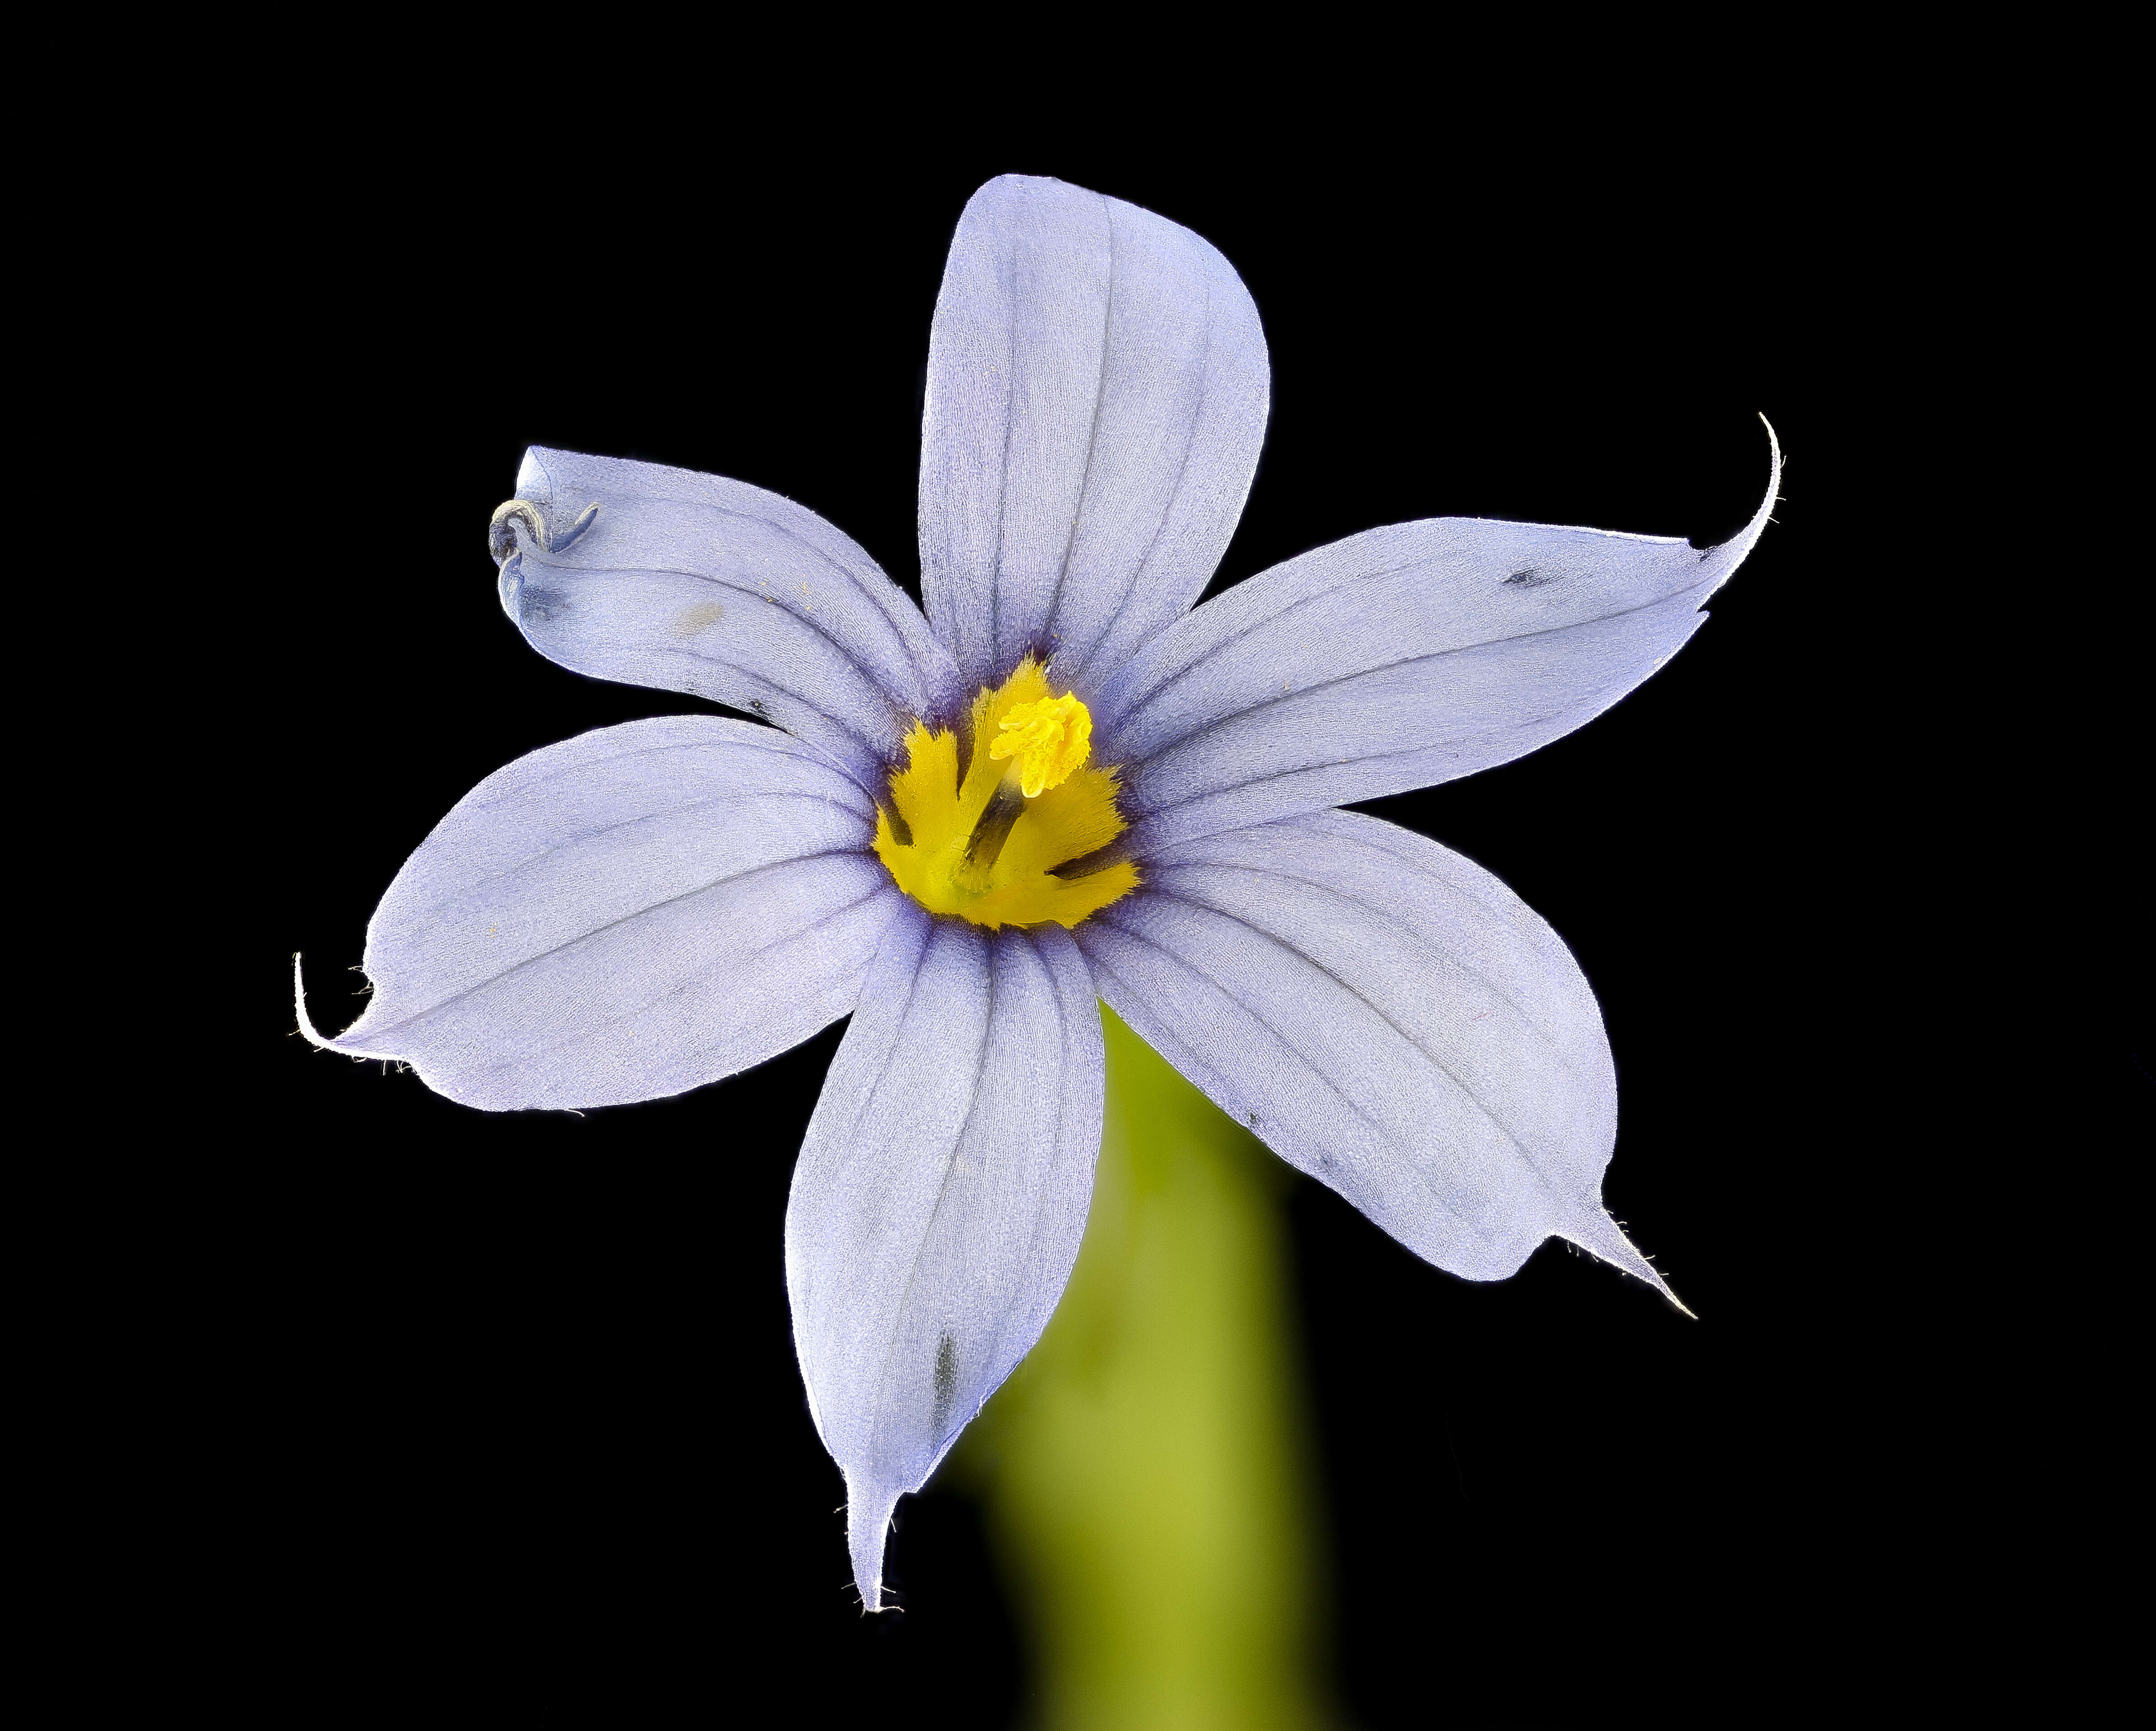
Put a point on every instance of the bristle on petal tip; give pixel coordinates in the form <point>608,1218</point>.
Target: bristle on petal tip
<point>868,1527</point>
<point>1600,1235</point>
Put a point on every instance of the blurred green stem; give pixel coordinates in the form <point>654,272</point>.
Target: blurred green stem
<point>1144,1467</point>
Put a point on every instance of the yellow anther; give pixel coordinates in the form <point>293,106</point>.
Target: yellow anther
<point>1050,739</point>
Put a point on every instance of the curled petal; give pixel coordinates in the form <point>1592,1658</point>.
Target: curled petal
<point>629,914</point>
<point>1388,1018</point>
<point>1097,391</point>
<point>1395,658</point>
<point>691,582</point>
<point>940,1197</point>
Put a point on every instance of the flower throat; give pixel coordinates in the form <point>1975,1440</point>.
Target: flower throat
<point>985,846</point>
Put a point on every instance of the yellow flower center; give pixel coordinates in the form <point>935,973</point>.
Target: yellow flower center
<point>986,845</point>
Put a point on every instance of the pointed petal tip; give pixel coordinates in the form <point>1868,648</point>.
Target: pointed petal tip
<point>1601,1236</point>
<point>300,1005</point>
<point>1773,477</point>
<point>1727,556</point>
<point>1734,550</point>
<point>868,1526</point>
<point>314,1036</point>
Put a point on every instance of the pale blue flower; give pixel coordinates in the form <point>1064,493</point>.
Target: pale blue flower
<point>651,907</point>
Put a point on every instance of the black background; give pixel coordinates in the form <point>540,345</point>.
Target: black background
<point>500,1413</point>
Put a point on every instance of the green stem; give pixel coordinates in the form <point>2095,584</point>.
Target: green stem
<point>1144,1467</point>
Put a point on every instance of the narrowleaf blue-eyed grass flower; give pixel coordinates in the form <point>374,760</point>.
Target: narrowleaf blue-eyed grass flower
<point>1063,783</point>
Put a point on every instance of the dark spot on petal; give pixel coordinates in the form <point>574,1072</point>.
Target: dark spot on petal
<point>1530,578</point>
<point>946,1382</point>
<point>544,605</point>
